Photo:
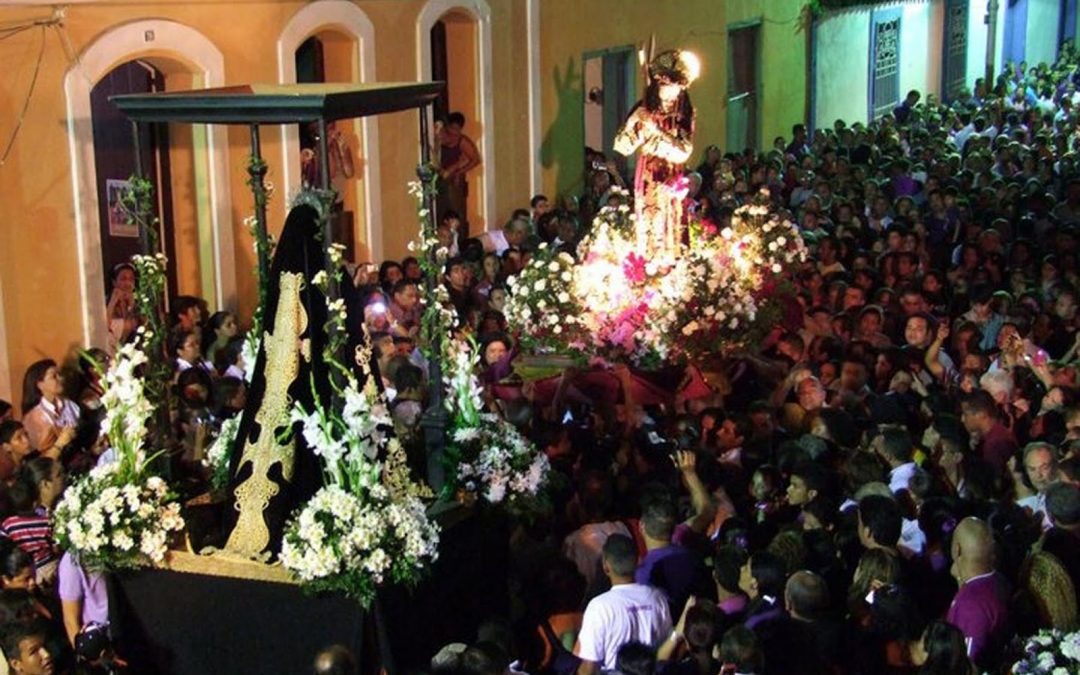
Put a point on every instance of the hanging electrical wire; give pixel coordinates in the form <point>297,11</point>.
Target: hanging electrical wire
<point>26,103</point>
<point>9,30</point>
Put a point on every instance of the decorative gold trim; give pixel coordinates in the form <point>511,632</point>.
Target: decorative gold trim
<point>225,564</point>
<point>251,536</point>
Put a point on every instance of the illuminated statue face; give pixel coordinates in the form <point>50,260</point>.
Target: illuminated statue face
<point>669,93</point>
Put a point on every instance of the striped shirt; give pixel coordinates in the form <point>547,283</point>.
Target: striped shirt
<point>32,534</point>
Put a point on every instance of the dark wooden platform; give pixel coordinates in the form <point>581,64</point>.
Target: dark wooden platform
<point>200,618</point>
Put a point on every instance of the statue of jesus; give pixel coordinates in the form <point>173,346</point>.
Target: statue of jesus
<point>661,126</point>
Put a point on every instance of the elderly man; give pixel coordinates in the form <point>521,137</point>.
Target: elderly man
<point>512,235</point>
<point>980,608</point>
<point>811,395</point>
<point>1041,468</point>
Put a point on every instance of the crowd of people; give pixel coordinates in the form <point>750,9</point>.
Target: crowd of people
<point>891,483</point>
<point>54,614</point>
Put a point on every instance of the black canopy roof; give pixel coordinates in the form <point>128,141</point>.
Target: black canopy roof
<point>277,103</point>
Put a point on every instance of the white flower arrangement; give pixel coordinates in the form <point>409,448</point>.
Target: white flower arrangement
<point>493,460</point>
<point>367,525</point>
<point>111,523</point>
<point>219,454</point>
<point>1050,652</point>
<point>619,306</point>
<point>249,353</point>
<point>542,302</point>
<point>119,515</point>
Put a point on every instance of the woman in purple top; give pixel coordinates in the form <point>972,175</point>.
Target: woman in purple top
<point>83,597</point>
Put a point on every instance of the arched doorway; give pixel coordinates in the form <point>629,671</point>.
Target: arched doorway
<point>201,205</point>
<point>334,41</point>
<point>326,56</point>
<point>454,44</point>
<point>454,61</point>
<point>114,163</point>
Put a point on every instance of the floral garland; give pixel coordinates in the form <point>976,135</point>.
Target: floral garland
<point>438,318</point>
<point>367,525</point>
<point>1051,652</point>
<point>617,305</point>
<point>489,457</point>
<point>119,515</point>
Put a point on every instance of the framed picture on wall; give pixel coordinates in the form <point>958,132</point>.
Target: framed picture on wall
<point>118,224</point>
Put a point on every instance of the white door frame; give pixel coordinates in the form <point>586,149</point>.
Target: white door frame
<point>145,39</point>
<point>347,18</point>
<point>481,12</point>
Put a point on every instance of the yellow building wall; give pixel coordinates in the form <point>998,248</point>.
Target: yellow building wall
<point>39,275</point>
<point>783,55</point>
<point>569,28</point>
<point>41,306</point>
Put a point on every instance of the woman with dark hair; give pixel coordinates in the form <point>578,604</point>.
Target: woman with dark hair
<point>762,579</point>
<point>49,418</point>
<point>14,448</point>
<point>490,274</point>
<point>390,273</point>
<point>38,485</point>
<point>16,567</point>
<point>220,329</point>
<point>941,651</point>
<point>121,312</point>
<point>17,576</point>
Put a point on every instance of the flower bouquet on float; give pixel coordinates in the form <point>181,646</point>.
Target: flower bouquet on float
<point>120,515</point>
<point>368,524</point>
<point>489,461</point>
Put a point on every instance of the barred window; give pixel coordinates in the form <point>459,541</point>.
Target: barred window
<point>956,34</point>
<point>884,62</point>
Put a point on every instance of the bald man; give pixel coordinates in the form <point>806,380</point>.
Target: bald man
<point>980,608</point>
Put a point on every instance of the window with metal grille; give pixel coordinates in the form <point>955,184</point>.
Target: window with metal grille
<point>955,49</point>
<point>884,61</point>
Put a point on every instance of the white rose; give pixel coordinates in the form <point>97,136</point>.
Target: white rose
<point>540,285</point>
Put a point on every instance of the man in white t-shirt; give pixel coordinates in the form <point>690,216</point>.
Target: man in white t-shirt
<point>628,612</point>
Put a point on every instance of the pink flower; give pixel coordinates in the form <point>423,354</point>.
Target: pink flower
<point>634,268</point>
